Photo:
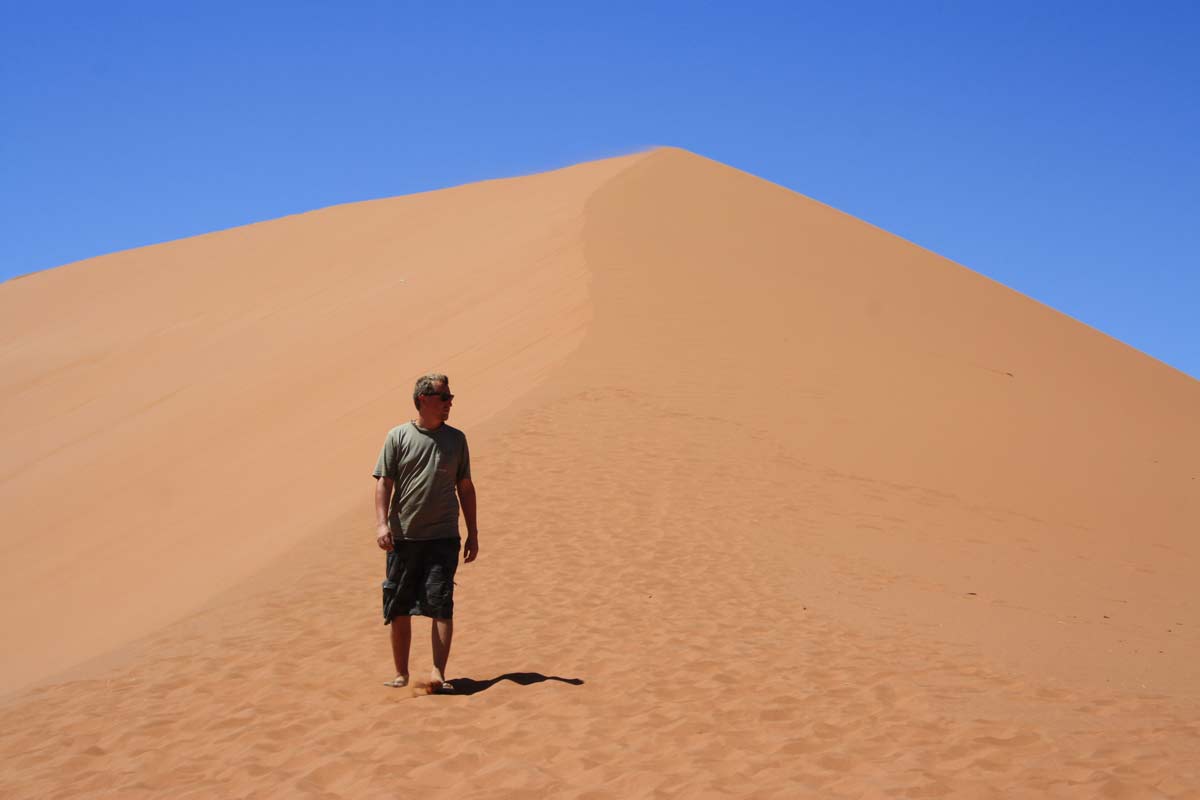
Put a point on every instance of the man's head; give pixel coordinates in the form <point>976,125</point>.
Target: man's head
<point>431,396</point>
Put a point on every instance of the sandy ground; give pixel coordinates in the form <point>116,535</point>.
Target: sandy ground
<point>773,504</point>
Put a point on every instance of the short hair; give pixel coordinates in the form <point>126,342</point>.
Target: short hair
<point>425,386</point>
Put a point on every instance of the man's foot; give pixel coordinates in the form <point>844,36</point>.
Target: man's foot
<point>398,682</point>
<point>438,683</point>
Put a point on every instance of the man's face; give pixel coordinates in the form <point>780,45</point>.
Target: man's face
<point>438,404</point>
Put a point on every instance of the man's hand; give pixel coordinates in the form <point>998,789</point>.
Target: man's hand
<point>470,548</point>
<point>383,537</point>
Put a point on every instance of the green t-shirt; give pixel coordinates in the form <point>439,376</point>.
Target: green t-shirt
<point>426,466</point>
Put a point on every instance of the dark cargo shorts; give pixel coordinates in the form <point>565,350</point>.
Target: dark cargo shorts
<point>420,579</point>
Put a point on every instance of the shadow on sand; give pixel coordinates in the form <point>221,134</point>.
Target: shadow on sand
<point>470,686</point>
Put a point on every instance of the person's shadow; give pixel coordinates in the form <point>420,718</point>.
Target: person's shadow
<point>472,686</point>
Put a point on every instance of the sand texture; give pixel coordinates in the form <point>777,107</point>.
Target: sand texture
<point>772,504</point>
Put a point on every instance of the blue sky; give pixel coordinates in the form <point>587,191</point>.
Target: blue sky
<point>1049,146</point>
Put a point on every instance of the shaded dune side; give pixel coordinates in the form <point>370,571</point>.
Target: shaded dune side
<point>970,386</point>
<point>1000,447</point>
<point>175,417</point>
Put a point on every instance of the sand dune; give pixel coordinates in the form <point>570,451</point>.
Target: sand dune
<point>773,503</point>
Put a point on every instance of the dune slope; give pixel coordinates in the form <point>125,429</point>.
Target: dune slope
<point>183,413</point>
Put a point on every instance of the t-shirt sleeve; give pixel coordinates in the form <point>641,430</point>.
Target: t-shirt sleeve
<point>464,463</point>
<point>385,467</point>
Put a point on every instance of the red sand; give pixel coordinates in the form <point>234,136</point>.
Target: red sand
<point>792,506</point>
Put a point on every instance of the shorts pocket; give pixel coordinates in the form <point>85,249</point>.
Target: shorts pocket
<point>389,599</point>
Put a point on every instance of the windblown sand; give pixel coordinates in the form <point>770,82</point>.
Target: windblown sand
<point>772,504</point>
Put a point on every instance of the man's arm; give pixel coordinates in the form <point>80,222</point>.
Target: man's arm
<point>466,498</point>
<point>383,499</point>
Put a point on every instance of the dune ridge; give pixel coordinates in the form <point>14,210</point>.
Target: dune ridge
<point>773,502</point>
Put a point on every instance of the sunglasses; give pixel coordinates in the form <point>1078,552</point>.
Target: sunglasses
<point>445,396</point>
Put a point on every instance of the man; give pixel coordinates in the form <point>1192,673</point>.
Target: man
<point>423,473</point>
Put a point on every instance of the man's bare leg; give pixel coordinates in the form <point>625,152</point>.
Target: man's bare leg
<point>401,643</point>
<point>441,634</point>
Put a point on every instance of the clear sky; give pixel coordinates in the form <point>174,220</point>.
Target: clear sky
<point>1050,146</point>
